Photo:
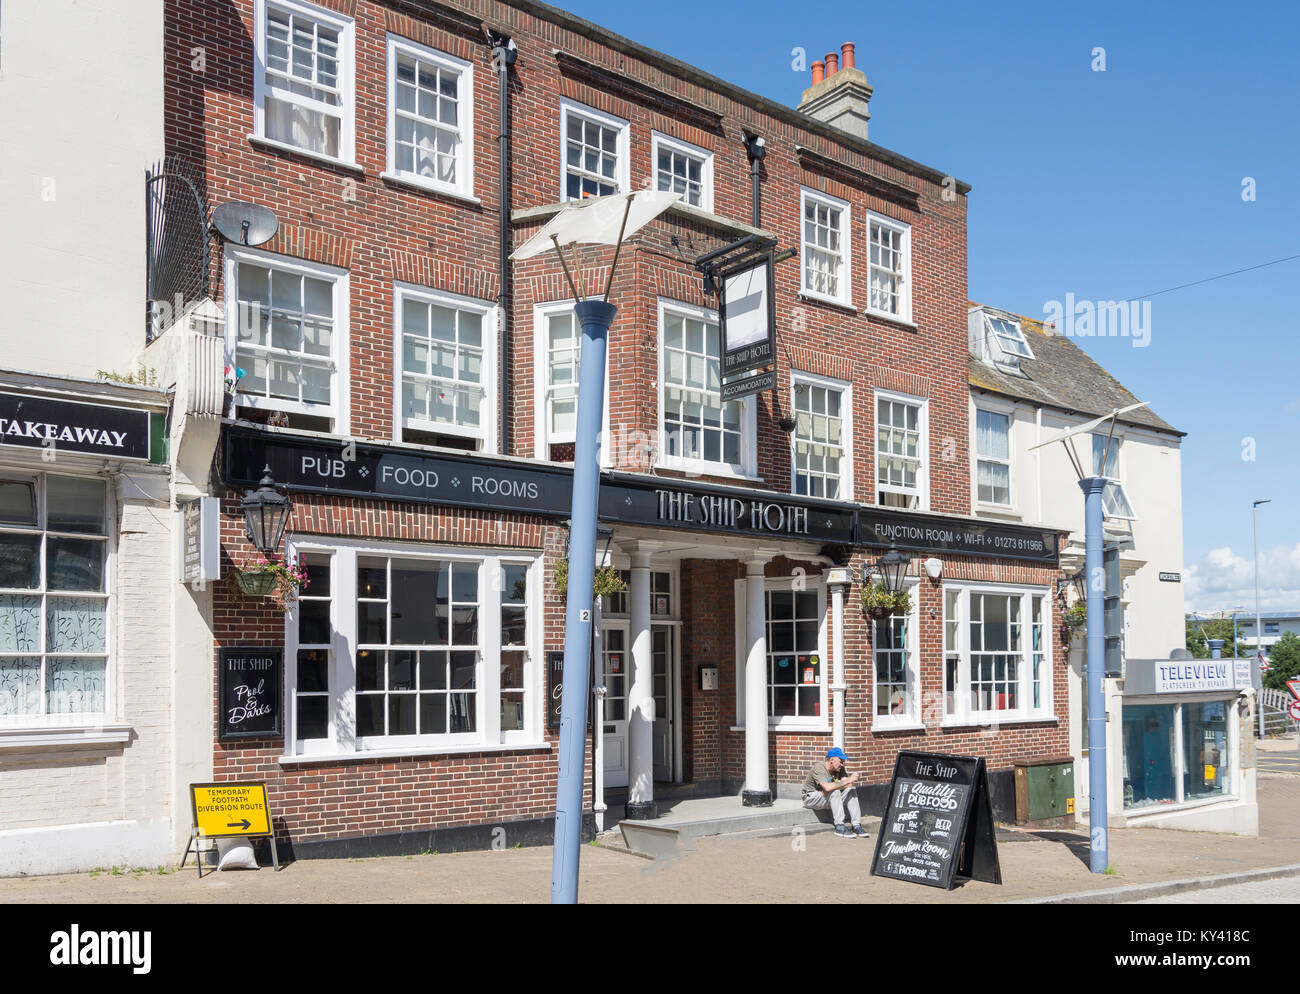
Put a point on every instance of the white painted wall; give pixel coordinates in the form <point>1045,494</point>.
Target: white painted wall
<point>81,118</point>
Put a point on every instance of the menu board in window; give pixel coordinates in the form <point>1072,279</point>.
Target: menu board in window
<point>938,823</point>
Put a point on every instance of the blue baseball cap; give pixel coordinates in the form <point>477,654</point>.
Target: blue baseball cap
<point>836,753</point>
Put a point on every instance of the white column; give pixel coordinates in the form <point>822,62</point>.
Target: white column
<point>758,791</point>
<point>640,692</point>
<point>839,580</point>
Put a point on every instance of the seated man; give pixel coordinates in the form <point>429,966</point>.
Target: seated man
<point>827,786</point>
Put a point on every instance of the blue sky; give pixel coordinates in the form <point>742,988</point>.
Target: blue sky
<point>1109,185</point>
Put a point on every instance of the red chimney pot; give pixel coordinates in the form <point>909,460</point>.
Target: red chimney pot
<point>819,72</point>
<point>832,63</point>
<point>846,50</point>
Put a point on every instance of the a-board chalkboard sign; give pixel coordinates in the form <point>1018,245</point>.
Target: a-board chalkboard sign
<point>938,823</point>
<point>250,682</point>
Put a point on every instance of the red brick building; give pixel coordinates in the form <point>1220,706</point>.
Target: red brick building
<point>421,415</point>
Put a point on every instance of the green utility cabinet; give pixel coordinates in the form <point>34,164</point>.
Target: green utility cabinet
<point>1045,792</point>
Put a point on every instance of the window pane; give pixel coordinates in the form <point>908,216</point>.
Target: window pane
<point>74,564</point>
<point>313,717</point>
<point>1206,760</point>
<point>313,670</point>
<point>20,623</point>
<point>75,624</point>
<point>313,622</point>
<point>1148,754</point>
<point>17,503</point>
<point>20,684</point>
<point>415,592</point>
<point>20,561</point>
<point>74,686</point>
<point>74,505</point>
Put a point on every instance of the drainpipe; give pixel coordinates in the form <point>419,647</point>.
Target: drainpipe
<point>838,580</point>
<point>503,57</point>
<point>756,149</point>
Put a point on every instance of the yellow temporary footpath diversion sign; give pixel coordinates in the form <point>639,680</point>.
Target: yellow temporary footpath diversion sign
<point>224,809</point>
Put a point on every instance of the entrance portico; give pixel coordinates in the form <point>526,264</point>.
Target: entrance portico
<point>658,710</point>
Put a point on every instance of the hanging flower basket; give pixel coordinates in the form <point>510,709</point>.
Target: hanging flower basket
<point>607,580</point>
<point>879,603</point>
<point>1075,619</point>
<point>255,583</point>
<point>273,577</point>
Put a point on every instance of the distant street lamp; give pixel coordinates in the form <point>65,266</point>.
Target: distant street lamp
<point>1259,629</point>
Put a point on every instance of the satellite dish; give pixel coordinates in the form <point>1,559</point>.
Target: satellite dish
<point>247,224</point>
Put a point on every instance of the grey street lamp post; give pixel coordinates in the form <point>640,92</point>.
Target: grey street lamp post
<point>1259,629</point>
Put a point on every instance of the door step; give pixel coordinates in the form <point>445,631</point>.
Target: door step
<point>672,833</point>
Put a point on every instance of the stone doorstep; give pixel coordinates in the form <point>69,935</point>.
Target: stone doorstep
<point>672,833</point>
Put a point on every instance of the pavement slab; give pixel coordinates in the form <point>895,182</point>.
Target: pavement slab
<point>789,865</point>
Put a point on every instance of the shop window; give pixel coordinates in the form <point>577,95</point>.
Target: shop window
<point>997,653</point>
<point>614,650</point>
<point>303,78</point>
<point>1149,755</point>
<point>286,329</point>
<point>446,346</point>
<point>54,602</point>
<point>442,649</point>
<point>312,688</point>
<point>896,690</point>
<point>794,662</point>
<point>1207,763</point>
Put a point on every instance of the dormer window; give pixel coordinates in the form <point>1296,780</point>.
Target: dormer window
<point>1005,342</point>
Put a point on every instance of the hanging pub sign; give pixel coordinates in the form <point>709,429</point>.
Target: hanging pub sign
<point>743,386</point>
<point>747,316</point>
<point>249,692</point>
<point>938,823</point>
<point>67,426</point>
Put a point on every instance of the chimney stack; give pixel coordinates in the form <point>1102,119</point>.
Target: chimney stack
<point>839,93</point>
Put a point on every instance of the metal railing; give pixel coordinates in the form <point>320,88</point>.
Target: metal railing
<point>176,242</point>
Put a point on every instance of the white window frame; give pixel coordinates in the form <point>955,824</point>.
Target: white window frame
<point>542,437</point>
<point>785,723</point>
<point>994,347</point>
<point>347,79</point>
<point>799,377</point>
<point>660,140</point>
<point>747,468</point>
<point>904,314</point>
<point>96,720</point>
<point>569,108</point>
<point>1117,481</point>
<point>912,719</point>
<point>844,278</point>
<point>922,490</point>
<point>962,714</point>
<point>464,185</point>
<point>1009,412</point>
<point>341,353</point>
<point>343,743</point>
<point>486,432</point>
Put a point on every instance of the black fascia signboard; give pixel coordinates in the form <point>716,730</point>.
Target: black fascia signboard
<point>747,317</point>
<point>355,469</point>
<point>317,465</point>
<point>956,536</point>
<point>71,426</point>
